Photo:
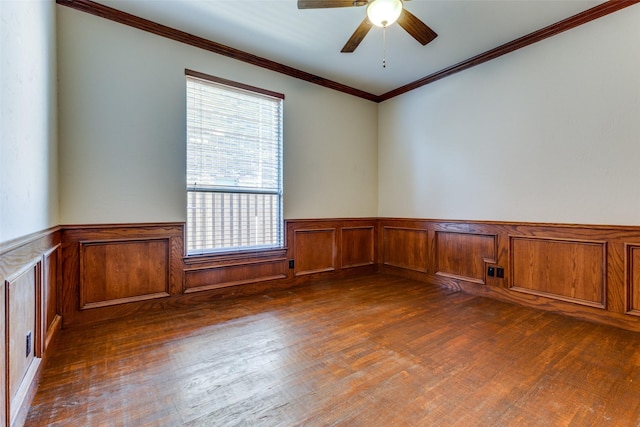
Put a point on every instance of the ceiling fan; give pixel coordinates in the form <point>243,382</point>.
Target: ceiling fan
<point>381,13</point>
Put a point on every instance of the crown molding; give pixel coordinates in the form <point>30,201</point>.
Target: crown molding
<point>211,46</point>
<point>115,15</point>
<point>534,37</point>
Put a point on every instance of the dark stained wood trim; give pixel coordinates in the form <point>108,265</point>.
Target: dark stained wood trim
<point>630,287</point>
<point>123,225</point>
<point>221,276</point>
<point>190,39</point>
<point>202,43</point>
<point>14,244</point>
<point>231,83</point>
<point>468,226</point>
<point>536,36</point>
<point>236,255</point>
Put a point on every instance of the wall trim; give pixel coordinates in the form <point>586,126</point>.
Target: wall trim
<point>566,24</point>
<point>467,225</point>
<point>115,15</point>
<point>631,304</point>
<point>202,43</point>
<point>16,243</point>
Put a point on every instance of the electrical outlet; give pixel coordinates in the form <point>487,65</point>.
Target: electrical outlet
<point>291,263</point>
<point>500,272</point>
<point>28,347</point>
<point>491,271</point>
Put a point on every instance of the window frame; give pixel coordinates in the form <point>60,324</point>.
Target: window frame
<point>281,231</point>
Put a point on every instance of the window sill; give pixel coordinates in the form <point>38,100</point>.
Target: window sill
<point>252,254</point>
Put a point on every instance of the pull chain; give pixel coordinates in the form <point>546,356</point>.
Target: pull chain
<point>384,47</point>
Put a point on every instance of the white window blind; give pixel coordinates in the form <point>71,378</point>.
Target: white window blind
<point>234,167</point>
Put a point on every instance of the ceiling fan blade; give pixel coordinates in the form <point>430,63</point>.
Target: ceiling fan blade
<point>322,4</point>
<point>418,29</point>
<point>357,36</point>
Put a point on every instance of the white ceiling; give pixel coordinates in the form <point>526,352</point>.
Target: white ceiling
<point>310,40</point>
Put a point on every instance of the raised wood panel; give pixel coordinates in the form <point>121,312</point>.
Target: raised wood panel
<point>51,272</point>
<point>314,250</point>
<point>464,256</point>
<point>357,246</point>
<point>405,248</point>
<point>632,282</point>
<point>23,319</point>
<point>569,270</point>
<point>207,278</point>
<point>119,271</point>
<point>22,278</point>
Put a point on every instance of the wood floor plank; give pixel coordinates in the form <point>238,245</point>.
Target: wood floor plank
<point>372,351</point>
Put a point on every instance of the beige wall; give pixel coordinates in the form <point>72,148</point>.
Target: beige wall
<point>28,122</point>
<point>122,129</point>
<point>549,133</point>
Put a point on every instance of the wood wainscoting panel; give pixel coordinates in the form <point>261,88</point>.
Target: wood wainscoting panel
<point>4,398</point>
<point>315,250</point>
<point>568,270</point>
<point>632,281</point>
<point>206,278</point>
<point>463,255</point>
<point>405,248</point>
<point>29,276</point>
<point>24,333</point>
<point>358,246</point>
<point>51,272</point>
<point>118,271</point>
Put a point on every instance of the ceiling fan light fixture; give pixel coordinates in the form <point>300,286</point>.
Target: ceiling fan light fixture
<point>383,13</point>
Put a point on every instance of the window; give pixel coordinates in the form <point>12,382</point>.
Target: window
<point>234,166</point>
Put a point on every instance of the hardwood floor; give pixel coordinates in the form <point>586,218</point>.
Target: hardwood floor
<point>372,351</point>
